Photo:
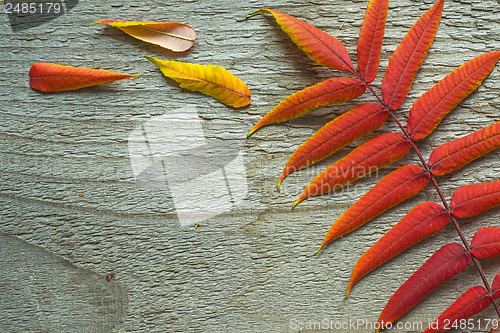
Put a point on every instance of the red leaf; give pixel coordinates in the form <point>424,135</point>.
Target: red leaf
<point>394,188</point>
<point>455,154</point>
<point>495,287</point>
<point>470,303</point>
<point>421,222</point>
<point>331,91</point>
<point>317,44</point>
<point>408,57</point>
<point>486,243</point>
<point>471,200</point>
<point>51,77</point>
<point>372,155</point>
<point>370,39</point>
<point>430,108</point>
<point>343,130</point>
<point>447,262</point>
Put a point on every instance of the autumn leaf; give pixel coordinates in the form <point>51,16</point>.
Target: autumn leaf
<point>453,155</point>
<point>175,36</point>
<point>447,262</point>
<point>317,44</point>
<point>343,130</point>
<point>53,78</point>
<point>396,187</point>
<point>331,91</point>
<point>409,56</point>
<point>486,243</point>
<point>430,108</point>
<point>211,80</point>
<point>471,200</point>
<point>421,222</point>
<point>372,155</point>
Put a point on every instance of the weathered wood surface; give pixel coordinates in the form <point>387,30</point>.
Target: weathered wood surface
<point>72,211</point>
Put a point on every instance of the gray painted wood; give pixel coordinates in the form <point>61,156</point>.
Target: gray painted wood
<point>71,207</point>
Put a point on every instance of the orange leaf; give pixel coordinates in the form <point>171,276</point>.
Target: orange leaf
<point>317,44</point>
<point>396,187</point>
<point>470,303</point>
<point>370,39</point>
<point>343,130</point>
<point>409,56</point>
<point>471,200</point>
<point>211,80</point>
<point>372,155</point>
<point>486,243</point>
<point>421,222</point>
<point>51,77</point>
<point>331,91</point>
<point>175,36</point>
<point>430,108</point>
<point>455,154</point>
<point>447,262</point>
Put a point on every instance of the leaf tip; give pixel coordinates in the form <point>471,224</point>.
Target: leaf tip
<point>257,12</point>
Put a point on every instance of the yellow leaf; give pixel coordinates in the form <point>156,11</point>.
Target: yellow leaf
<point>211,80</point>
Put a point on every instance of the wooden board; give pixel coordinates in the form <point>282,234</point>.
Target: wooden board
<point>73,212</point>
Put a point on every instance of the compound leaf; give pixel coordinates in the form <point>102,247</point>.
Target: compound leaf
<point>409,56</point>
<point>471,200</point>
<point>486,243</point>
<point>211,80</point>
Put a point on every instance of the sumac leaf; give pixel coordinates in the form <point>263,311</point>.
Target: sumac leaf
<point>495,286</point>
<point>52,77</point>
<point>421,222</point>
<point>372,155</point>
<point>370,39</point>
<point>345,129</point>
<point>175,36</point>
<point>470,303</point>
<point>319,46</point>
<point>430,108</point>
<point>453,155</point>
<point>447,262</point>
<point>331,91</point>
<point>210,80</point>
<point>486,243</point>
<point>471,200</point>
<point>396,187</point>
<point>409,56</point>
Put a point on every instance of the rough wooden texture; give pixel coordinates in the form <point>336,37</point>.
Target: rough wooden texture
<point>73,213</point>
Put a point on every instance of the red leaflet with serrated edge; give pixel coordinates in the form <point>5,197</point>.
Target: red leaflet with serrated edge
<point>370,39</point>
<point>408,57</point>
<point>470,303</point>
<point>317,44</point>
<point>53,78</point>
<point>430,108</point>
<point>421,222</point>
<point>455,154</point>
<point>486,243</point>
<point>470,200</point>
<point>343,130</point>
<point>331,91</point>
<point>396,187</point>
<point>372,155</point>
<point>447,262</point>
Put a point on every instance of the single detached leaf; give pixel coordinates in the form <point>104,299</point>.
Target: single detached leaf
<point>421,222</point>
<point>430,108</point>
<point>211,80</point>
<point>471,200</point>
<point>331,91</point>
<point>409,56</point>
<point>51,77</point>
<point>317,44</point>
<point>370,39</point>
<point>343,130</point>
<point>447,262</point>
<point>175,36</point>
<point>372,155</point>
<point>455,154</point>
<point>470,303</point>
<point>486,243</point>
<point>396,187</point>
